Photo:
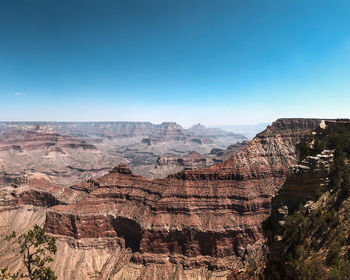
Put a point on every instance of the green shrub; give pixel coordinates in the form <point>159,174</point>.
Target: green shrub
<point>333,253</point>
<point>35,248</point>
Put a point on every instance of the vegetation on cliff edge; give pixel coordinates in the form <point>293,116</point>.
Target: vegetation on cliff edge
<point>315,240</point>
<point>35,249</point>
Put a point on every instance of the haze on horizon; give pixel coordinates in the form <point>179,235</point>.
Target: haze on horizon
<point>214,62</point>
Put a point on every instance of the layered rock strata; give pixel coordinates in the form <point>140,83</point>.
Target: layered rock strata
<point>208,219</point>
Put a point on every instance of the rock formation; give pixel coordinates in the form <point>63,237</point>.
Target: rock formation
<point>201,222</point>
<point>195,224</point>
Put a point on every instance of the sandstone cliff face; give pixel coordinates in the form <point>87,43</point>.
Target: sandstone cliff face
<point>191,225</point>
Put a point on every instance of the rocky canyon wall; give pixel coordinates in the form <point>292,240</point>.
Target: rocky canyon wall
<point>191,225</point>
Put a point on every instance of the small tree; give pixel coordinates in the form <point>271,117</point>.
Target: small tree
<point>36,248</point>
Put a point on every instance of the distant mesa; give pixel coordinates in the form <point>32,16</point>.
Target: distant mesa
<point>170,125</point>
<point>197,126</point>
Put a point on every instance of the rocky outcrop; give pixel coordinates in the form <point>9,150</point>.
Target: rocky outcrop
<point>209,218</point>
<point>37,190</point>
<point>304,179</point>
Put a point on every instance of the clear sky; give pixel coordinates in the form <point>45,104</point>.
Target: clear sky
<point>215,62</point>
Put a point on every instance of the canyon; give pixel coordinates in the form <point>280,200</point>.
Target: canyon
<point>71,152</point>
<point>202,223</point>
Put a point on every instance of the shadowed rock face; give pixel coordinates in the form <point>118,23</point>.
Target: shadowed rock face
<point>130,231</point>
<point>208,218</point>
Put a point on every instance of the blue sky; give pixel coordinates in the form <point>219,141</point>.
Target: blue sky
<point>215,62</point>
